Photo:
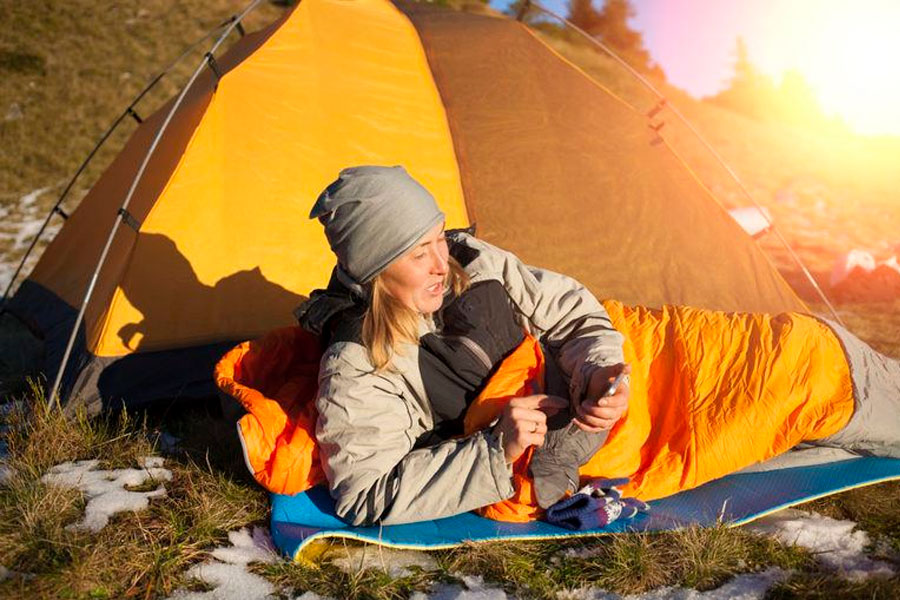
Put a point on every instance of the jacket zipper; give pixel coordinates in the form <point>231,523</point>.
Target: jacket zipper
<point>477,350</point>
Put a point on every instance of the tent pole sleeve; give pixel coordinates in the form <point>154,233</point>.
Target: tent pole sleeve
<point>54,391</point>
<point>129,110</point>
<point>662,99</point>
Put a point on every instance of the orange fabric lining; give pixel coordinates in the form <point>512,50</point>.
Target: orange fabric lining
<point>275,380</point>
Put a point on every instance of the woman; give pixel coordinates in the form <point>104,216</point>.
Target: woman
<point>415,320</point>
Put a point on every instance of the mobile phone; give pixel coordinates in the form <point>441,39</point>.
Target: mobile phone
<point>612,389</point>
<point>614,386</point>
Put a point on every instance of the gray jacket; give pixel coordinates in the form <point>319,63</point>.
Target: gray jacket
<point>369,421</point>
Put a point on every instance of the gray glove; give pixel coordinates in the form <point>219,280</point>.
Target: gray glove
<point>554,466</point>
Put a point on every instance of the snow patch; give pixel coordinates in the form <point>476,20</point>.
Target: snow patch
<point>395,563</point>
<point>5,472</point>
<point>7,574</point>
<point>579,553</point>
<point>311,596</point>
<point>752,586</point>
<point>20,223</point>
<point>475,590</point>
<point>834,542</point>
<point>230,582</point>
<point>228,574</point>
<point>31,197</point>
<point>153,462</point>
<point>247,547</point>
<point>106,489</point>
<point>14,112</point>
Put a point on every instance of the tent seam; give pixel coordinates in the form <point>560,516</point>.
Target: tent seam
<point>430,68</point>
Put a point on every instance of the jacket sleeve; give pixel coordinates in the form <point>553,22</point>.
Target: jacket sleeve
<point>366,431</point>
<point>559,310</point>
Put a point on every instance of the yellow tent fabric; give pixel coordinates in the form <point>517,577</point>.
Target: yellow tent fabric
<point>236,203</point>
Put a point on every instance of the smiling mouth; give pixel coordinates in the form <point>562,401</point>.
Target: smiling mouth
<point>437,287</point>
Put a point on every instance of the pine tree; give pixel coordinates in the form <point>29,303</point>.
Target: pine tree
<point>583,14</point>
<point>750,91</point>
<point>612,29</point>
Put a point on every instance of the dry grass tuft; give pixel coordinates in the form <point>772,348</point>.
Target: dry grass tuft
<point>633,563</point>
<point>707,558</point>
<point>527,569</point>
<point>143,553</point>
<point>40,437</point>
<point>826,586</point>
<point>33,517</point>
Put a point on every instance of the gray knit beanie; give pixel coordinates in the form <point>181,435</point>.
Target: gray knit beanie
<point>372,216</point>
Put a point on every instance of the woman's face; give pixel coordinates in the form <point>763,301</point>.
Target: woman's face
<point>417,278</point>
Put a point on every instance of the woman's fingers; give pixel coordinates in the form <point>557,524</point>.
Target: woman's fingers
<point>528,415</point>
<point>590,411</point>
<point>529,427</point>
<point>549,404</point>
<point>602,413</point>
<point>523,422</point>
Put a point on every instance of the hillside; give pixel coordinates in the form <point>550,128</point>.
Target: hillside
<point>67,71</point>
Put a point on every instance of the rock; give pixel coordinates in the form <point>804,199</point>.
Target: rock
<point>867,281</point>
<point>847,263</point>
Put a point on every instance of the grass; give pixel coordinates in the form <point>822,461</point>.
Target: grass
<point>146,554</point>
<point>142,553</point>
<point>101,56</point>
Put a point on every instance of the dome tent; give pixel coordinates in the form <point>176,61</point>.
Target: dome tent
<point>507,134</point>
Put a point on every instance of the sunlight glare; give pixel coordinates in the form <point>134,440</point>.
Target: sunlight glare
<point>849,53</point>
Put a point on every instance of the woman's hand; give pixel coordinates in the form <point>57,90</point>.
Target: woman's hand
<point>599,412</point>
<point>523,422</point>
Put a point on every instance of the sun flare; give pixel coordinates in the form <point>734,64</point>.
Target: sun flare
<point>849,53</point>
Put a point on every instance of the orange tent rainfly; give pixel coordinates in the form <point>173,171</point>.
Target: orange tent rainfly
<point>217,247</point>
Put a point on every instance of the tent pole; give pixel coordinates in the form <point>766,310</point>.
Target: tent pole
<point>128,111</point>
<point>703,141</point>
<point>231,24</point>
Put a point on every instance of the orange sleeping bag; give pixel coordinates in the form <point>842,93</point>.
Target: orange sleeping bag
<point>275,379</point>
<point>711,393</point>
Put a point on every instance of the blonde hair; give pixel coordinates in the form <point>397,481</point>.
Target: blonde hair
<point>388,322</point>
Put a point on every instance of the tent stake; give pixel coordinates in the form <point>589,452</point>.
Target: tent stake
<point>663,101</point>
